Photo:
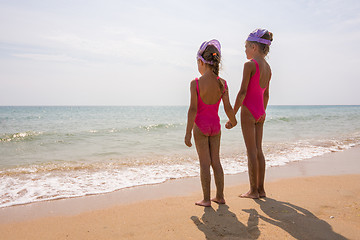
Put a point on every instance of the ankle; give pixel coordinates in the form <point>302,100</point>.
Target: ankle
<point>220,196</point>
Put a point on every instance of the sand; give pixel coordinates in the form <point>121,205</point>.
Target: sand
<point>314,199</point>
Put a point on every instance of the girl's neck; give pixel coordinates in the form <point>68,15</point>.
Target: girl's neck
<point>208,72</point>
<point>259,56</point>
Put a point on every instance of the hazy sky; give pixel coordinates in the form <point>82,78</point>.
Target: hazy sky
<point>73,52</point>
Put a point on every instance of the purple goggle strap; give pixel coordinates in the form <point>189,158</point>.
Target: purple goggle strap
<point>203,46</point>
<point>256,35</point>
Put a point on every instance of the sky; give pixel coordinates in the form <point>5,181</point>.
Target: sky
<point>86,52</point>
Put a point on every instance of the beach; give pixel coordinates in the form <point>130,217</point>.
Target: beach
<point>317,198</point>
<point>97,100</point>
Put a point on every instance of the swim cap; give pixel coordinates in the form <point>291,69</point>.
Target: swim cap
<point>202,48</point>
<point>256,35</point>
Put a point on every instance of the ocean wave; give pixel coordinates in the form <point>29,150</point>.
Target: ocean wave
<point>305,117</point>
<point>21,136</point>
<point>65,167</point>
<point>55,185</point>
<point>159,126</point>
<point>289,119</point>
<point>138,128</point>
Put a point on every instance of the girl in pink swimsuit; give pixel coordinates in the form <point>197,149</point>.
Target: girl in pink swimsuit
<point>206,95</point>
<point>253,98</point>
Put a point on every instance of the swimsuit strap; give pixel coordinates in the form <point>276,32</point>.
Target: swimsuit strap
<point>225,85</point>
<point>218,78</point>
<point>197,86</point>
<point>257,65</point>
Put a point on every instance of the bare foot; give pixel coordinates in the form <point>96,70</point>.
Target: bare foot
<point>262,194</point>
<point>218,200</point>
<point>250,195</point>
<point>203,203</point>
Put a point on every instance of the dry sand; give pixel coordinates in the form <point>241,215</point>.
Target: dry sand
<point>314,199</point>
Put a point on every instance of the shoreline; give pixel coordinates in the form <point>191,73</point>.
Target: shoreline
<point>324,165</point>
<point>318,198</point>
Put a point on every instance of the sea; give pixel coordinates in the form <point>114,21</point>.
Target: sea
<point>54,152</point>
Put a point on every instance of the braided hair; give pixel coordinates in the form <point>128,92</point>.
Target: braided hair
<point>211,54</point>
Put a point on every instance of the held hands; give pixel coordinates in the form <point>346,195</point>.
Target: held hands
<point>229,125</point>
<point>188,140</point>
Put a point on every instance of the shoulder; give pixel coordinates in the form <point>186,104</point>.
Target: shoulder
<point>223,81</point>
<point>193,84</point>
<point>268,66</point>
<point>194,81</point>
<point>249,68</point>
<point>224,84</point>
<point>250,65</point>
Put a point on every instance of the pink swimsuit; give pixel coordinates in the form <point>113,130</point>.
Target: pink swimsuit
<point>207,118</point>
<point>254,99</point>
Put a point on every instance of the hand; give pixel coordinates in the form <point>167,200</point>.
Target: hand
<point>188,140</point>
<point>229,125</point>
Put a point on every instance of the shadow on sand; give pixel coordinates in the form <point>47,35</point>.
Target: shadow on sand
<point>221,223</point>
<point>298,222</point>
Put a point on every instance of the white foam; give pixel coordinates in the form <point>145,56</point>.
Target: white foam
<point>18,136</point>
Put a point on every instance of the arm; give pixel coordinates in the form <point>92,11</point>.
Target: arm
<point>191,113</point>
<point>228,109</point>
<point>266,94</point>
<point>266,97</point>
<point>266,100</point>
<point>302,210</point>
<point>249,70</point>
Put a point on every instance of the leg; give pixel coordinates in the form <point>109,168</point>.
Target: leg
<point>217,168</point>
<point>249,133</point>
<point>202,147</point>
<point>261,159</point>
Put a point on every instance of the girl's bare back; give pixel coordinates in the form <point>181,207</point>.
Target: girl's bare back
<point>209,89</point>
